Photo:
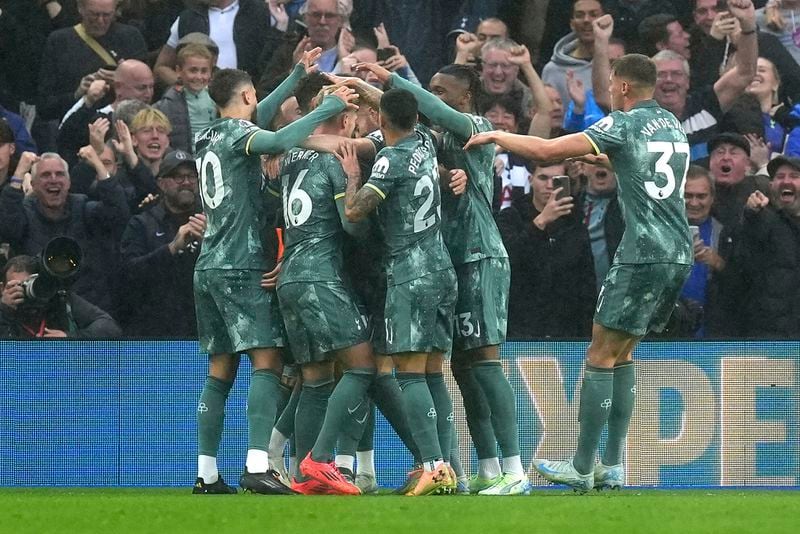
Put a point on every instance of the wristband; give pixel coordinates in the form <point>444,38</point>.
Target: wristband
<point>15,180</point>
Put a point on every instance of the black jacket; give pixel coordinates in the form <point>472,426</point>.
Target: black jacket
<point>160,298</point>
<point>66,59</point>
<point>92,224</point>
<point>552,274</point>
<point>729,200</point>
<point>77,317</point>
<point>173,105</point>
<point>764,277</point>
<point>250,30</point>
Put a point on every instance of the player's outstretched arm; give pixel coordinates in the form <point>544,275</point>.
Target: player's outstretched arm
<point>269,106</point>
<point>266,142</point>
<point>368,95</point>
<point>536,148</point>
<point>436,110</point>
<point>331,144</point>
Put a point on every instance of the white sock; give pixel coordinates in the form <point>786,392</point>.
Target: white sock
<point>489,467</point>
<point>513,465</point>
<point>346,461</point>
<point>293,466</point>
<point>277,443</point>
<point>257,461</point>
<point>207,469</point>
<point>366,462</point>
<point>433,466</point>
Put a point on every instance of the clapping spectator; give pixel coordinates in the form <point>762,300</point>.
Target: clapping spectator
<point>159,248</point>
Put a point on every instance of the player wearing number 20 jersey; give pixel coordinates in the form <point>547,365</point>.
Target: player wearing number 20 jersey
<point>650,154</point>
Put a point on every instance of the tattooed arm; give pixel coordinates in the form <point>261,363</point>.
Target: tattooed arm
<point>359,201</point>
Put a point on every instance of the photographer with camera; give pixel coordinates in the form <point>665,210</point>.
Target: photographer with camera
<point>61,314</point>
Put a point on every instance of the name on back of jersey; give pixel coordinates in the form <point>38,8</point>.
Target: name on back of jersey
<point>653,125</point>
<point>421,153</point>
<point>309,155</point>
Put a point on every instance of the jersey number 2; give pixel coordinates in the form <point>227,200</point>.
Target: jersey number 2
<point>421,222</point>
<point>210,170</point>
<point>666,149</point>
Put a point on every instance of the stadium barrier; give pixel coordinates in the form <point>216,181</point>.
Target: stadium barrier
<point>123,413</point>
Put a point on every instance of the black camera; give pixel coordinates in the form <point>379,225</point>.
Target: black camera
<point>59,262</point>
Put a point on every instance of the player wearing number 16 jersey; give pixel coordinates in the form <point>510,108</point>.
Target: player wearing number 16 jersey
<point>234,314</point>
<point>650,154</point>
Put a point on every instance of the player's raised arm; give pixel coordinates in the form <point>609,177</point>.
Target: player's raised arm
<point>266,142</point>
<point>348,158</point>
<point>360,200</point>
<point>331,144</point>
<point>536,148</point>
<point>434,108</point>
<point>269,106</point>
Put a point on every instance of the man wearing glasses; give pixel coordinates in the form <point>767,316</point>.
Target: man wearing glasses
<point>159,249</point>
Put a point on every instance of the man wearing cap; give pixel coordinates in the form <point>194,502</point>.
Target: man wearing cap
<point>767,259</point>
<point>159,249</point>
<point>729,164</point>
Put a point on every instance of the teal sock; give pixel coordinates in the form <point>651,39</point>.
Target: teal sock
<point>285,422</point>
<point>211,415</point>
<point>262,401</point>
<point>621,410</point>
<point>421,414</point>
<point>354,431</point>
<point>597,391</point>
<point>367,441</point>
<point>388,397</point>
<point>347,403</point>
<point>455,455</point>
<point>310,414</point>
<point>444,411</point>
<point>502,403</point>
<point>284,396</point>
<point>478,414</point>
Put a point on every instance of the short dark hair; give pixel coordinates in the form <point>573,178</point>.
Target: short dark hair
<point>6,132</point>
<point>637,69</point>
<point>506,101</point>
<point>653,30</point>
<point>467,75</point>
<point>695,172</point>
<point>399,107</point>
<point>308,88</point>
<point>572,8</point>
<point>225,83</point>
<point>20,264</point>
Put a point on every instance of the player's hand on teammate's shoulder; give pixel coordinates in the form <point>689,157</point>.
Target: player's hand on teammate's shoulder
<point>271,165</point>
<point>483,138</point>
<point>600,160</point>
<point>348,157</point>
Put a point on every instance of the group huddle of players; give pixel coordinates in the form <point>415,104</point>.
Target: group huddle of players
<point>392,261</point>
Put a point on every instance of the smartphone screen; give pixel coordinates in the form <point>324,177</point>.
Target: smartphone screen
<point>385,53</point>
<point>562,181</point>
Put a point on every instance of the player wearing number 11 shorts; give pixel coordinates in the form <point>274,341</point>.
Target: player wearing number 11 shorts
<point>649,152</point>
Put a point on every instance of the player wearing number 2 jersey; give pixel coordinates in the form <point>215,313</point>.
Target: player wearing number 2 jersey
<point>421,282</point>
<point>650,155</point>
<point>234,314</point>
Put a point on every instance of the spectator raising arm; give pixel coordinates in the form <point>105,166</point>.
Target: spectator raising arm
<point>603,27</point>
<point>733,83</point>
<point>540,122</point>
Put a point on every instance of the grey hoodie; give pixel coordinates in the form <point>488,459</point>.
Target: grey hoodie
<point>555,72</point>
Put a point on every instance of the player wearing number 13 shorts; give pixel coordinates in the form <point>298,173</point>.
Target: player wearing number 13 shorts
<point>649,152</point>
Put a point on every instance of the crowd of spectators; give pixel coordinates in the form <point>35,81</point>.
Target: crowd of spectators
<point>100,99</point>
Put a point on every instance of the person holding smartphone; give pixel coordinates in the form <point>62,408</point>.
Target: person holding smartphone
<point>545,240</point>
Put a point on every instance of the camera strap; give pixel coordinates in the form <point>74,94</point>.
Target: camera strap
<point>92,43</point>
<point>35,333</point>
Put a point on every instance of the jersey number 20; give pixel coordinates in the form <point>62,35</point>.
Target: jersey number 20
<point>666,149</point>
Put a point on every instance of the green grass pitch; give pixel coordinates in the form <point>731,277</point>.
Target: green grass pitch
<point>168,511</point>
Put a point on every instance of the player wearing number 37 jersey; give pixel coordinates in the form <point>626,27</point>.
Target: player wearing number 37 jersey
<point>649,152</point>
